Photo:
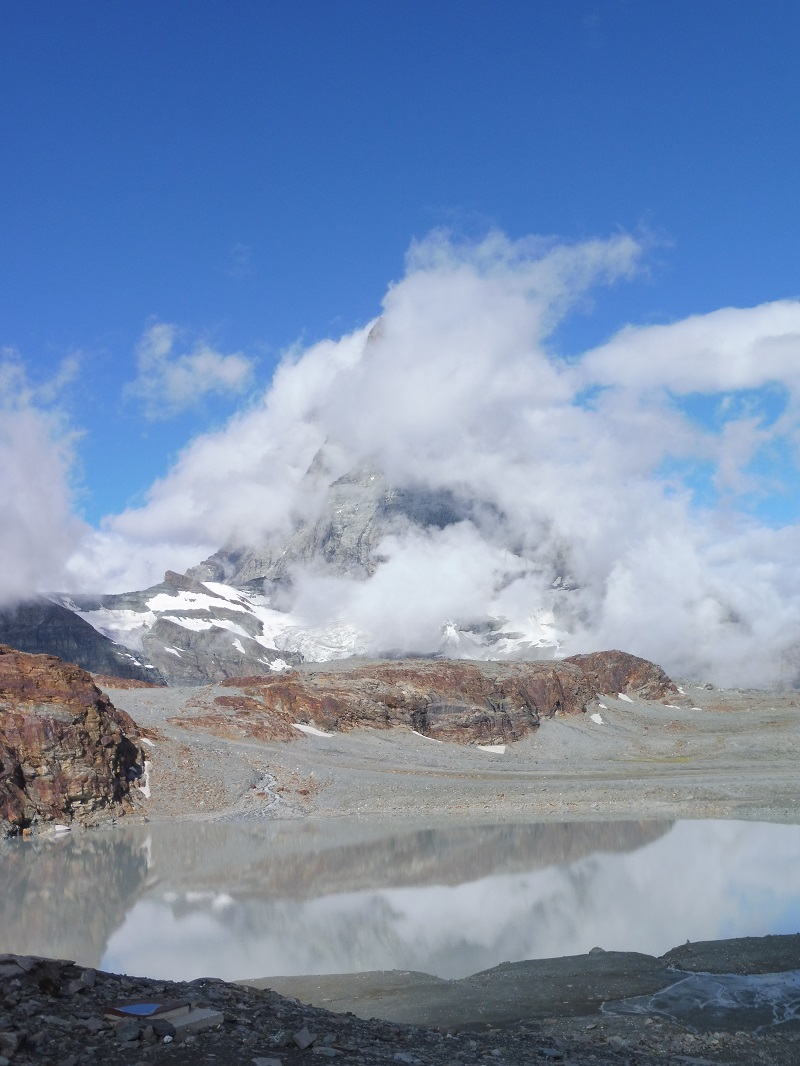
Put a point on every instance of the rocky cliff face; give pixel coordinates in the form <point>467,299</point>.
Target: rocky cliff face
<point>42,627</point>
<point>358,511</point>
<point>65,750</point>
<point>453,700</point>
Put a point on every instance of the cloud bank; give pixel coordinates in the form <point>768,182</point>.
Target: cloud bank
<point>642,473</point>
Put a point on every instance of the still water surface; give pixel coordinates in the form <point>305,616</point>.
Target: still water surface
<point>243,900</point>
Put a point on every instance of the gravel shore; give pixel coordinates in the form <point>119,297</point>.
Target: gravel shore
<point>734,754</point>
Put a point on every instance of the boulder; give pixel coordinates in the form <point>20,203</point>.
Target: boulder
<point>65,750</point>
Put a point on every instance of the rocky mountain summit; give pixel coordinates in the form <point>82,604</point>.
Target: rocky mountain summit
<point>356,512</point>
<point>450,700</point>
<point>65,750</point>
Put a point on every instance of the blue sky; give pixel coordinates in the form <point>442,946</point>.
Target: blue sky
<point>255,172</point>
<point>190,189</point>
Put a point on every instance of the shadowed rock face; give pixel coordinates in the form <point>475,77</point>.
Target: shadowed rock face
<point>64,748</point>
<point>445,699</point>
<point>41,627</point>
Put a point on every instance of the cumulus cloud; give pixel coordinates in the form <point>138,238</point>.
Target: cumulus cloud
<point>170,381</point>
<point>38,531</point>
<point>595,470</point>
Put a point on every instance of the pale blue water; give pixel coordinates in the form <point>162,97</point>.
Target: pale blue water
<point>243,900</point>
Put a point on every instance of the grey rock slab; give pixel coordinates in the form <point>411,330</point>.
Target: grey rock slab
<point>304,1038</point>
<point>741,955</point>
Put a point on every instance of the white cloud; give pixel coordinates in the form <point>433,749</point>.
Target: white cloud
<point>733,348</point>
<point>169,382</point>
<point>589,463</point>
<point>38,530</point>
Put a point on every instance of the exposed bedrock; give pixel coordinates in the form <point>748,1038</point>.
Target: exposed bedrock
<point>617,671</point>
<point>467,702</point>
<point>65,750</point>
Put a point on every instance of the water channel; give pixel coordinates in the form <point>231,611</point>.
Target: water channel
<point>241,900</point>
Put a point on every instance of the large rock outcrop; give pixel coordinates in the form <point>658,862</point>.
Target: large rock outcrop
<point>611,672</point>
<point>65,750</point>
<point>447,699</point>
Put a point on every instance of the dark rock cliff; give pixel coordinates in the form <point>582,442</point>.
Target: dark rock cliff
<point>42,627</point>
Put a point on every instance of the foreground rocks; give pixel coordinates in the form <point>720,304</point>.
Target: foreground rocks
<point>54,1012</point>
<point>65,751</point>
<point>445,699</point>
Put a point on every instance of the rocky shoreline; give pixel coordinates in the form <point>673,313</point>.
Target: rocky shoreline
<point>53,1011</point>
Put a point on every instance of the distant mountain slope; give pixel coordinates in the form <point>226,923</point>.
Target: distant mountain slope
<point>193,633</point>
<point>44,627</point>
<point>241,612</point>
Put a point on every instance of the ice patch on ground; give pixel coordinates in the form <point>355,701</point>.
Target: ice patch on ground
<point>707,1001</point>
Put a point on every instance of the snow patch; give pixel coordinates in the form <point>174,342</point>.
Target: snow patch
<point>192,601</point>
<point>238,645</point>
<point>311,730</point>
<point>435,741</point>
<point>495,749</point>
<point>597,718</point>
<point>622,696</point>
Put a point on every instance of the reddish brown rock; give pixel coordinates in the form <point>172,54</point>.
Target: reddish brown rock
<point>446,699</point>
<point>458,700</point>
<point>65,750</point>
<point>611,672</point>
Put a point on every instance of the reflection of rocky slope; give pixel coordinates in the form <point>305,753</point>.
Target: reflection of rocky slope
<point>445,699</point>
<point>64,748</point>
<point>304,861</point>
<point>42,627</point>
<point>65,897</point>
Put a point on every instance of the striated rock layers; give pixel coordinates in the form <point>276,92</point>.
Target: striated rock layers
<point>65,750</point>
<point>456,700</point>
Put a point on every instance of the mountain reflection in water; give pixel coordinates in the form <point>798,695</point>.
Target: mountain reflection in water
<point>239,900</point>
